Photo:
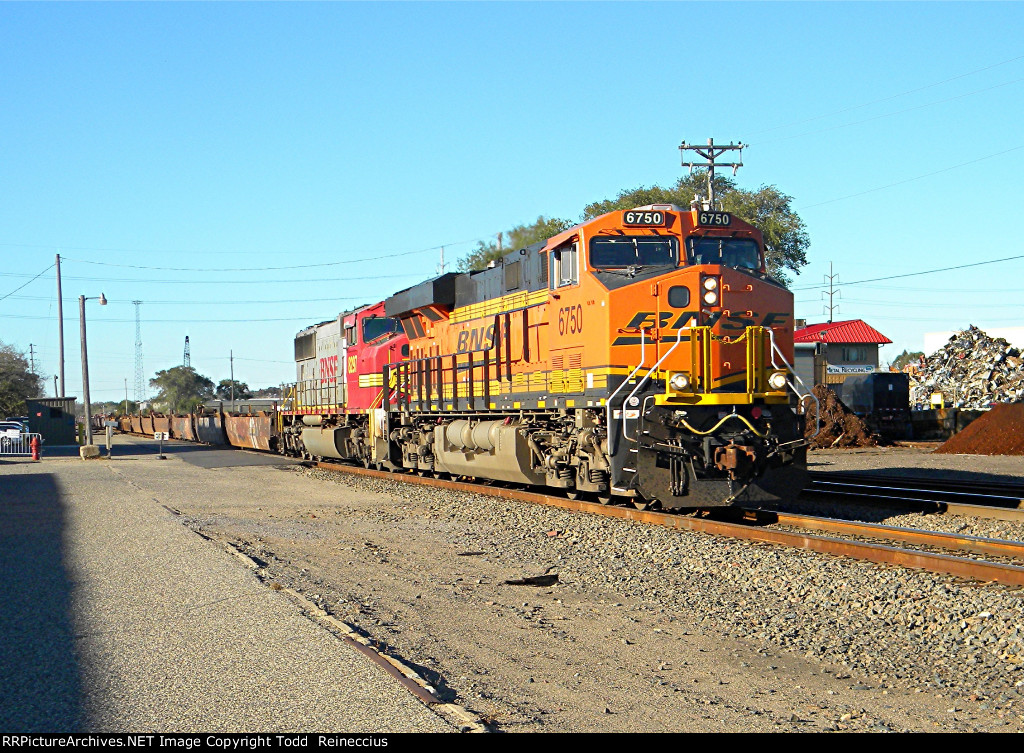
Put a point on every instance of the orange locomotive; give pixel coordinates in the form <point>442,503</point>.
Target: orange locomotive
<point>641,355</point>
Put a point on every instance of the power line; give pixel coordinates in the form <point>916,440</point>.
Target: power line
<point>28,283</point>
<point>179,321</point>
<point>386,255</point>
<point>206,302</point>
<point>916,274</point>
<point>221,282</point>
<point>890,97</point>
<point>889,114</point>
<point>909,180</point>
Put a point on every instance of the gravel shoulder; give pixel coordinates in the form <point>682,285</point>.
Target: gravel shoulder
<point>646,629</point>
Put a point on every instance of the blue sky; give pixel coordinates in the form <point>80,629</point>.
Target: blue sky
<point>204,158</point>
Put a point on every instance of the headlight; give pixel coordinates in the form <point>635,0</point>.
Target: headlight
<point>777,381</point>
<point>711,298</point>
<point>710,283</point>
<point>679,382</point>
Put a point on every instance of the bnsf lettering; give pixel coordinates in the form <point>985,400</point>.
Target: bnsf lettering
<point>328,369</point>
<point>663,320</point>
<point>646,320</point>
<point>475,339</point>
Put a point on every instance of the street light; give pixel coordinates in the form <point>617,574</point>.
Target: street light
<point>85,365</point>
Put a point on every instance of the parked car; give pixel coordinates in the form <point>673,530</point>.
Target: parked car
<point>10,432</point>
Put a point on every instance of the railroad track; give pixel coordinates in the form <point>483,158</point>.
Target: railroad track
<point>753,529</point>
<point>999,501</point>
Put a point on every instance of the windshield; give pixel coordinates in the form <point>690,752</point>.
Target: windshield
<point>633,251</point>
<point>741,253</point>
<point>375,327</point>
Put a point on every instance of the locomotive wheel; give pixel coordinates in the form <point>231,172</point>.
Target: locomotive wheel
<point>646,504</point>
<point>604,499</point>
<point>573,494</point>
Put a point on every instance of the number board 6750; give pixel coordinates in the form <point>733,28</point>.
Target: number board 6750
<point>570,320</point>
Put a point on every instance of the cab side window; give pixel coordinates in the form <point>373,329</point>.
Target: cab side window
<point>565,268</point>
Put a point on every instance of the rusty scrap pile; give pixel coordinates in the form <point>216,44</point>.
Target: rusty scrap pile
<point>839,426</point>
<point>971,371</point>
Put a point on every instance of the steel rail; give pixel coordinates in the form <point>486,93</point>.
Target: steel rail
<point>1008,495</point>
<point>951,508</point>
<point>939,539</point>
<point>941,496</point>
<point>941,563</point>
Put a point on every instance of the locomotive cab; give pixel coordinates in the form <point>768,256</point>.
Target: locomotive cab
<point>699,407</point>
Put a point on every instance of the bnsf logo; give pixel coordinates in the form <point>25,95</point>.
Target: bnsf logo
<point>475,339</point>
<point>650,320</point>
<point>671,320</point>
<point>328,369</point>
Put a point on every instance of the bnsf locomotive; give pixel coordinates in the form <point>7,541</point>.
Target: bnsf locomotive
<point>640,356</point>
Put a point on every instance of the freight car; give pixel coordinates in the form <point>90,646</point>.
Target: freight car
<point>642,355</point>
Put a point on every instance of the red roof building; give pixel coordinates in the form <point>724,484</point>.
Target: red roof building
<point>832,351</point>
<point>852,332</point>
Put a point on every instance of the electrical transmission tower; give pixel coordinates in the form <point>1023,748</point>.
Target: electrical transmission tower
<point>709,153</point>
<point>830,307</point>
<point>188,355</point>
<point>140,387</point>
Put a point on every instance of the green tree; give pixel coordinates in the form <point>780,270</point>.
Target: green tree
<point>681,194</point>
<point>769,210</point>
<point>518,237</point>
<point>223,391</point>
<point>180,389</point>
<point>267,392</point>
<point>906,357</point>
<point>110,407</point>
<point>17,382</point>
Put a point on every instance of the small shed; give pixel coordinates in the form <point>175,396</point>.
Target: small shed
<point>54,419</point>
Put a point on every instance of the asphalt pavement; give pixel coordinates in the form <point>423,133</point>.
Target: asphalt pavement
<point>116,617</point>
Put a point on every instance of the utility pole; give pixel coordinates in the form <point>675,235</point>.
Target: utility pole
<point>709,153</point>
<point>139,386</point>
<point>831,307</point>
<point>55,393</point>
<point>32,358</point>
<point>126,396</point>
<point>188,355</point>
<point>232,352</point>
<point>441,267</point>
<point>60,334</point>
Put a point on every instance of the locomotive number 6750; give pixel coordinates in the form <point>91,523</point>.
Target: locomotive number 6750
<point>637,218</point>
<point>570,320</point>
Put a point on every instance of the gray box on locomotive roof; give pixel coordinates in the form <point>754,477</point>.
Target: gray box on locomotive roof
<point>54,419</point>
<point>439,291</point>
<point>518,271</point>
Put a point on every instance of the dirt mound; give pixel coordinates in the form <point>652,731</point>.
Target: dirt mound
<point>1000,431</point>
<point>839,426</point>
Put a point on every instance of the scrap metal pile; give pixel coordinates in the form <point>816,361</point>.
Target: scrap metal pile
<point>971,371</point>
<point>840,427</point>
